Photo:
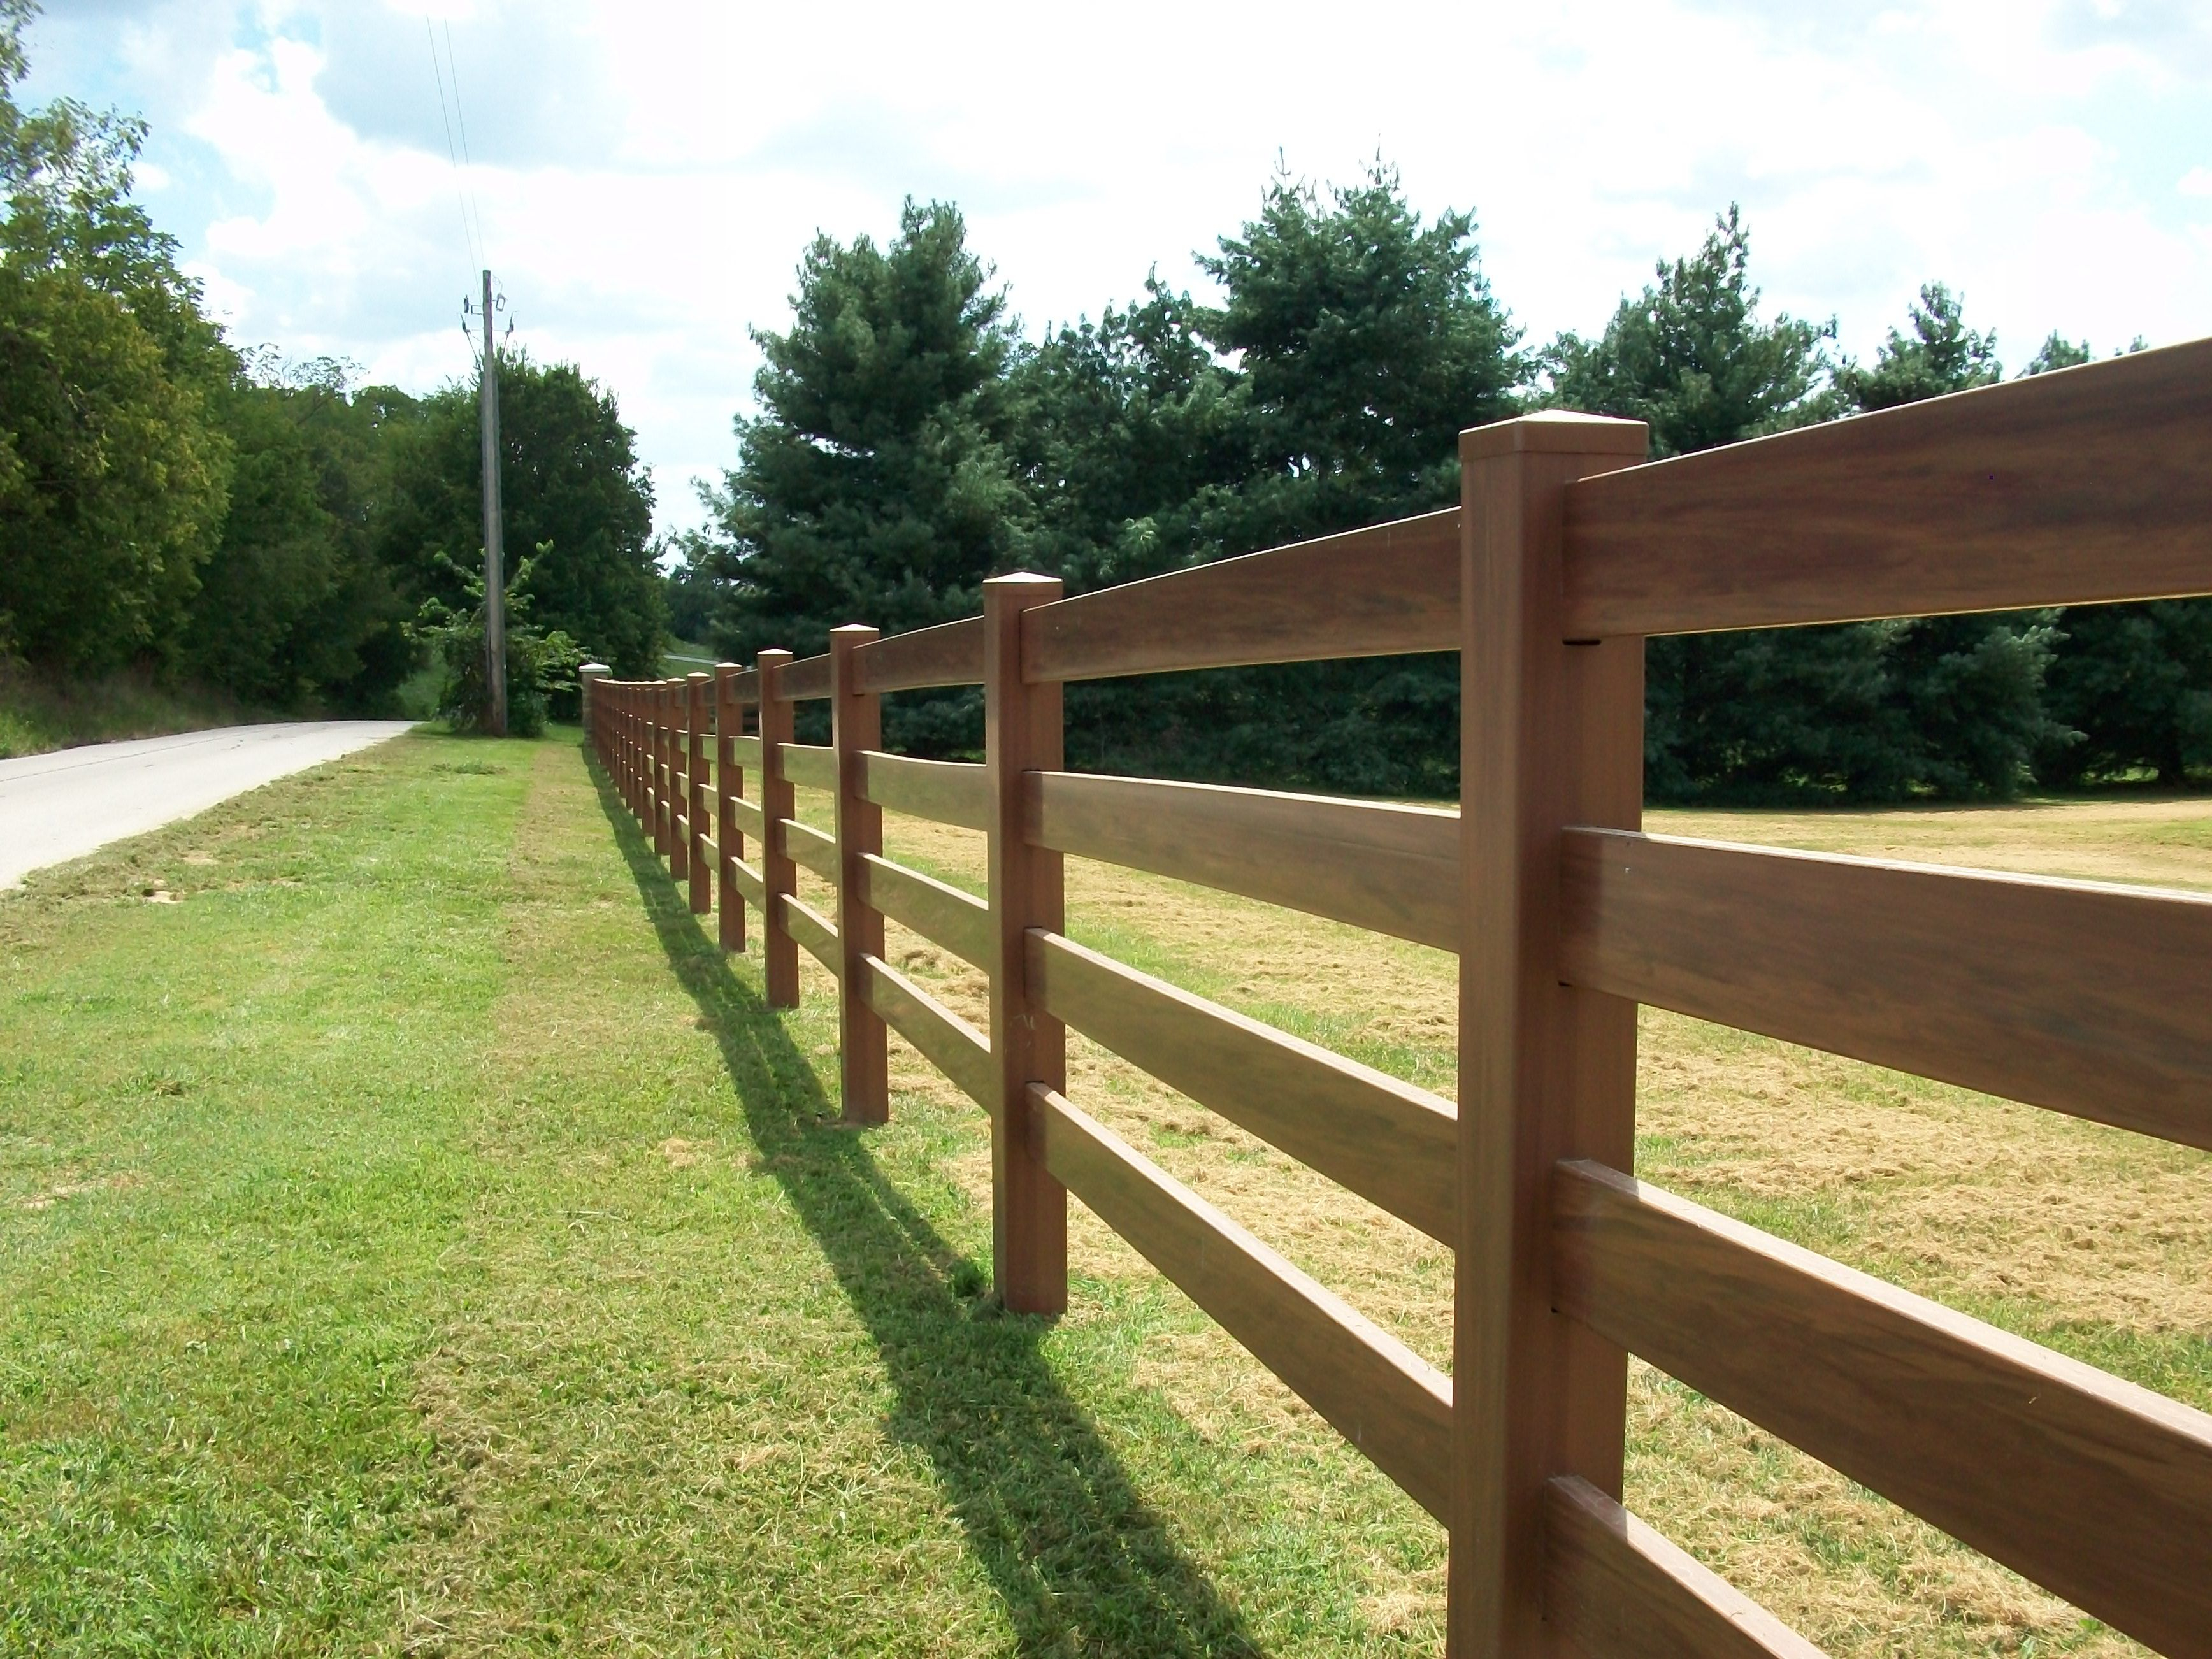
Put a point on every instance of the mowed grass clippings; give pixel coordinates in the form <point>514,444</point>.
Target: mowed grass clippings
<point>2093,1241</point>
<point>415,1237</point>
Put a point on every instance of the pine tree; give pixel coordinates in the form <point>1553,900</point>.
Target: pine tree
<point>875,483</point>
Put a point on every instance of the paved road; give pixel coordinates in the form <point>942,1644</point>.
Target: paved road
<point>63,804</point>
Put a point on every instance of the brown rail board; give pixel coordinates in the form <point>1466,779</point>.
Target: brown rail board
<point>944,915</point>
<point>748,880</point>
<point>944,792</point>
<point>2098,1490</point>
<point>807,678</point>
<point>1387,1141</point>
<point>2083,485</point>
<point>2082,997</point>
<point>949,654</point>
<point>748,752</point>
<point>747,813</point>
<point>809,765</point>
<point>803,844</point>
<point>1391,588</point>
<point>1617,1588</point>
<point>1377,1392</point>
<point>810,930</point>
<point>1394,869</point>
<point>940,1036</point>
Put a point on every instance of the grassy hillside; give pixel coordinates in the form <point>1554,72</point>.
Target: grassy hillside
<point>417,1236</point>
<point>38,715</point>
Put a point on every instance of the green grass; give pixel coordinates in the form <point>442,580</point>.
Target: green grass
<point>420,1238</point>
<point>417,1238</point>
<point>39,712</point>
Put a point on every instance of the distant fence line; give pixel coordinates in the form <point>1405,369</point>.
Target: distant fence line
<point>2092,484</point>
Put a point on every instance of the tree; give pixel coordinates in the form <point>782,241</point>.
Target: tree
<point>571,486</point>
<point>1367,341</point>
<point>875,483</point>
<point>1869,711</point>
<point>112,478</point>
<point>1942,356</point>
<point>1123,428</point>
<point>1326,392</point>
<point>1691,359</point>
<point>295,607</point>
<point>2133,682</point>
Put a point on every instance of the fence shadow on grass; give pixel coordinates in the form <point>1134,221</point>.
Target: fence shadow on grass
<point>1082,1564</point>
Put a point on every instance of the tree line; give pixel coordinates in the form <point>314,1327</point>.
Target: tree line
<point>173,503</point>
<point>909,440</point>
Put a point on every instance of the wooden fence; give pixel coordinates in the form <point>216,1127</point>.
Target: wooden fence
<point>2091,484</point>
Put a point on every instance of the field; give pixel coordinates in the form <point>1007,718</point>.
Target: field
<point>416,1238</point>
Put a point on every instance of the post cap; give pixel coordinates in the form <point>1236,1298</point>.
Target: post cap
<point>1556,432</point>
<point>594,670</point>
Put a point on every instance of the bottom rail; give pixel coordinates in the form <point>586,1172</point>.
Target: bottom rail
<point>1619,1590</point>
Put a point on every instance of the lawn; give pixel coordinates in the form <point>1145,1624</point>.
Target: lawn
<point>415,1237</point>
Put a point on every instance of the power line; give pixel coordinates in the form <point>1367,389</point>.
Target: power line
<point>469,237</point>
<point>461,119</point>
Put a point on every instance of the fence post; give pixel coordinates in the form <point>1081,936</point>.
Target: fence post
<point>629,750</point>
<point>660,801</point>
<point>779,875</point>
<point>729,786</point>
<point>856,726</point>
<point>1021,733</point>
<point>679,780</point>
<point>1552,734</point>
<point>700,815</point>
<point>595,735</point>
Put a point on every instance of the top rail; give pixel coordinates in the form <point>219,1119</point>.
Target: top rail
<point>2082,486</point>
<point>950,653</point>
<point>1389,588</point>
<point>807,678</point>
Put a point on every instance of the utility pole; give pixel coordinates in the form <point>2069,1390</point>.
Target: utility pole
<point>495,572</point>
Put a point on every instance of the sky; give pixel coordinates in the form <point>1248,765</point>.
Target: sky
<point>642,177</point>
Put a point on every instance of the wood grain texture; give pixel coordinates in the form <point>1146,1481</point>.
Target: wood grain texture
<point>779,950</point>
<point>856,727</point>
<point>745,686</point>
<point>1618,1589</point>
<point>698,720</point>
<point>1394,869</point>
<point>1553,734</point>
<point>939,1035</point>
<point>2085,998</point>
<point>945,915</point>
<point>1022,735</point>
<point>1374,1390</point>
<point>746,879</point>
<point>734,815</point>
<point>944,792</point>
<point>808,677</point>
<point>1387,1141</point>
<point>2065,488</point>
<point>812,765</point>
<point>814,931</point>
<point>1392,588</point>
<point>950,653</point>
<point>805,845</point>
<point>747,751</point>
<point>2098,1490</point>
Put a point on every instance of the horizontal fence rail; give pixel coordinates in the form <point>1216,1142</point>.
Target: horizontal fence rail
<point>2085,485</point>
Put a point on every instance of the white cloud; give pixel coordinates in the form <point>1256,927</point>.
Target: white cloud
<point>648,173</point>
